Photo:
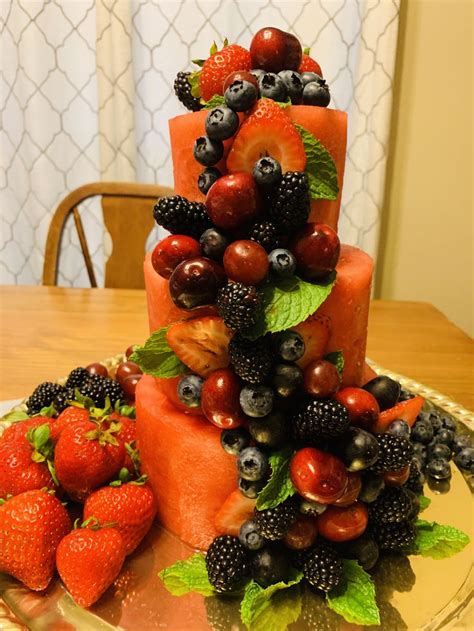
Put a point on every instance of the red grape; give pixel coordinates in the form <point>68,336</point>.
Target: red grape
<point>316,249</point>
<point>172,251</point>
<point>97,369</point>
<point>362,407</point>
<point>352,491</point>
<point>246,262</point>
<point>129,385</point>
<point>125,369</point>
<point>302,533</point>
<point>321,379</point>
<point>317,475</point>
<point>220,399</point>
<point>343,524</point>
<point>195,283</point>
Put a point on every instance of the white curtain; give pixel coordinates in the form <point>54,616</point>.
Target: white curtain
<point>86,93</point>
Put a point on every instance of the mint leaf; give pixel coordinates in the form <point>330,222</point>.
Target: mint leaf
<point>438,541</point>
<point>320,167</point>
<point>187,576</point>
<point>214,101</point>
<point>336,358</point>
<point>424,502</point>
<point>283,609</point>
<point>354,598</point>
<point>279,487</point>
<point>256,598</point>
<point>156,358</point>
<point>288,302</point>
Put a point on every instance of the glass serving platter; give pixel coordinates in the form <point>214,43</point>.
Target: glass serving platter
<point>413,593</point>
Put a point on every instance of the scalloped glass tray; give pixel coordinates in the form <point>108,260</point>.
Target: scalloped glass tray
<point>414,593</point>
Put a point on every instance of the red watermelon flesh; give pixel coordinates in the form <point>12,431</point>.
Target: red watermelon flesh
<point>190,474</point>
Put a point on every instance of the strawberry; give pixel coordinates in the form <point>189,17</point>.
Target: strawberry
<point>89,559</point>
<point>405,410</point>
<point>267,131</point>
<point>201,343</point>
<point>218,66</point>
<point>131,507</point>
<point>308,64</point>
<point>17,431</point>
<point>316,331</point>
<point>87,456</point>
<point>234,511</point>
<point>31,526</point>
<point>127,433</point>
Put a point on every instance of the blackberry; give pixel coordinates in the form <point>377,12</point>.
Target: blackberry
<point>252,361</point>
<point>323,567</point>
<point>395,452</point>
<point>316,615</point>
<point>93,388</point>
<point>290,204</point>
<point>61,400</point>
<point>182,89</point>
<point>180,216</point>
<point>266,234</point>
<point>77,377</point>
<point>113,390</point>
<point>396,537</point>
<point>42,396</point>
<point>274,523</point>
<point>415,479</point>
<point>226,563</point>
<point>319,419</point>
<point>392,505</point>
<point>223,613</point>
<point>239,305</point>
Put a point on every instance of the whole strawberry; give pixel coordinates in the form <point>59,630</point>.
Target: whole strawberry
<point>218,66</point>
<point>308,64</point>
<point>127,433</point>
<point>131,507</point>
<point>89,559</point>
<point>68,416</point>
<point>86,457</point>
<point>31,526</point>
<point>17,431</point>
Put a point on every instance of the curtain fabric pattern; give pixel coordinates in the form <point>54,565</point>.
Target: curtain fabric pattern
<point>87,90</point>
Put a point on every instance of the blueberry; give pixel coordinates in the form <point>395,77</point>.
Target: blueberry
<point>461,441</point>
<point>249,536</point>
<point>405,395</point>
<point>258,73</point>
<point>272,87</point>
<point>290,346</point>
<point>465,459</point>
<point>293,83</point>
<point>364,550</point>
<point>385,390</point>
<point>449,423</point>
<point>310,77</point>
<point>357,448</point>
<point>207,178</point>
<point>436,422</point>
<point>372,486</point>
<point>267,172</point>
<point>270,565</point>
<point>270,431</point>
<point>221,123</point>
<point>213,244</point>
<point>256,401</point>
<point>439,451</point>
<point>252,464</point>
<point>422,432</point>
<point>189,390</point>
<point>399,428</point>
<point>241,95</point>
<point>419,450</point>
<point>312,509</point>
<point>208,152</point>
<point>287,378</point>
<point>249,488</point>
<point>439,469</point>
<point>316,93</point>
<point>445,436</point>
<point>234,440</point>
<point>439,486</point>
<point>282,263</point>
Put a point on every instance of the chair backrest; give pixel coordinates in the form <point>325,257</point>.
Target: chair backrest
<point>127,210</point>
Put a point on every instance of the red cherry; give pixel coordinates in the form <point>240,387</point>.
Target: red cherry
<point>352,491</point>
<point>170,389</point>
<point>125,369</point>
<point>302,533</point>
<point>273,50</point>
<point>343,524</point>
<point>195,283</point>
<point>97,369</point>
<point>129,385</point>
<point>240,75</point>
<point>172,251</point>
<point>233,201</point>
<point>220,399</point>
<point>321,379</point>
<point>246,262</point>
<point>397,478</point>
<point>318,476</point>
<point>362,406</point>
<point>316,249</point>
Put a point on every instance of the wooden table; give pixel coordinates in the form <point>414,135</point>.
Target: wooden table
<point>47,331</point>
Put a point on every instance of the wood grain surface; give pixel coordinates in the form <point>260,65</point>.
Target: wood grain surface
<point>47,331</point>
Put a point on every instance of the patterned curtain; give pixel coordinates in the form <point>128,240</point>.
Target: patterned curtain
<point>87,90</point>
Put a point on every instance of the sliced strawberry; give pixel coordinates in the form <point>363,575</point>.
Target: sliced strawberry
<point>405,410</point>
<point>201,343</point>
<point>234,511</point>
<point>316,331</point>
<point>267,131</point>
<point>218,66</point>
<point>308,64</point>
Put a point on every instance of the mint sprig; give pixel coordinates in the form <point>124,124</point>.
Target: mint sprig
<point>257,599</point>
<point>279,487</point>
<point>354,598</point>
<point>320,167</point>
<point>187,576</point>
<point>336,358</point>
<point>288,302</point>
<point>157,358</point>
<point>437,540</point>
<point>424,502</point>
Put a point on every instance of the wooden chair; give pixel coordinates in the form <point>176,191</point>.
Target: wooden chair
<point>127,209</point>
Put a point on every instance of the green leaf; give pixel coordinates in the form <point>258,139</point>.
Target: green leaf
<point>424,502</point>
<point>194,83</point>
<point>306,50</point>
<point>336,358</point>
<point>15,415</point>
<point>279,487</point>
<point>438,541</point>
<point>156,358</point>
<point>199,62</point>
<point>215,101</point>
<point>256,598</point>
<point>320,167</point>
<point>213,50</point>
<point>288,302</point>
<point>283,610</point>
<point>284,104</point>
<point>187,576</point>
<point>48,411</point>
<point>354,598</point>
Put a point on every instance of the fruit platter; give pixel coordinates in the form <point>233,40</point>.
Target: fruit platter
<point>245,467</point>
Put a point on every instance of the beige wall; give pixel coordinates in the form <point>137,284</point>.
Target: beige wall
<point>426,250</point>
